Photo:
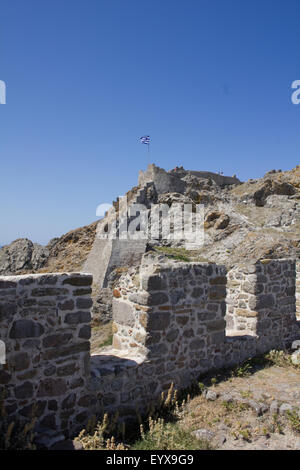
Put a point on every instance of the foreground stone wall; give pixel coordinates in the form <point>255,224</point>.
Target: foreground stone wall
<point>45,325</point>
<point>261,299</point>
<point>172,313</point>
<point>169,327</point>
<point>241,316</point>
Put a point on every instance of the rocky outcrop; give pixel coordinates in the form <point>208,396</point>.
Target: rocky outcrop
<point>67,253</point>
<point>22,255</point>
<point>269,187</point>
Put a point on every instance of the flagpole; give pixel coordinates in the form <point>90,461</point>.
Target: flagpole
<point>146,140</point>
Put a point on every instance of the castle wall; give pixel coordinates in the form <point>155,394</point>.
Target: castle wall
<point>165,182</point>
<point>276,303</point>
<point>169,327</point>
<point>260,299</point>
<point>106,254</point>
<point>175,316</point>
<point>219,179</point>
<point>45,325</point>
<point>241,316</point>
<point>111,252</point>
<point>98,259</point>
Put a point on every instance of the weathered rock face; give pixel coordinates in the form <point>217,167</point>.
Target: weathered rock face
<point>67,253</point>
<point>269,187</point>
<point>22,255</point>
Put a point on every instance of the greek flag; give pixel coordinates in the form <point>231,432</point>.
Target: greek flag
<point>145,139</point>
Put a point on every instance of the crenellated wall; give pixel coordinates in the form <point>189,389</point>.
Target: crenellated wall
<point>261,299</point>
<point>45,325</point>
<point>172,312</point>
<point>169,324</point>
<point>169,181</point>
<point>169,327</point>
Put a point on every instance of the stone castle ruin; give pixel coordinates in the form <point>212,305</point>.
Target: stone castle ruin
<point>172,322</point>
<point>152,185</point>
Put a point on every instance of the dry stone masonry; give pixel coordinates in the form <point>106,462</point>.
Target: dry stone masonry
<point>45,325</point>
<point>169,327</point>
<point>261,299</point>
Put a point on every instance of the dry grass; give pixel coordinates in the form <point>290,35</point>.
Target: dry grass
<point>170,422</point>
<point>17,434</point>
<point>101,335</point>
<point>168,436</point>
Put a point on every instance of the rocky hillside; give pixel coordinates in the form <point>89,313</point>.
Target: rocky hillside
<point>67,253</point>
<point>256,219</point>
<point>22,256</point>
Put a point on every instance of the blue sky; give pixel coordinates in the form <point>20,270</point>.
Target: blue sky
<point>209,80</point>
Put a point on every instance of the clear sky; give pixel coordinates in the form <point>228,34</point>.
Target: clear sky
<point>209,80</point>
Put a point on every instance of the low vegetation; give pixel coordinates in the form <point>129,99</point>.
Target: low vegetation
<point>167,436</point>
<point>180,254</point>
<point>171,423</point>
<point>15,435</point>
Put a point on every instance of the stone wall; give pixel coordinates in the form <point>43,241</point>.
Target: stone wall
<point>168,182</point>
<point>45,325</point>
<point>241,316</point>
<point>169,327</point>
<point>261,299</point>
<point>108,253</point>
<point>172,313</point>
<point>221,180</point>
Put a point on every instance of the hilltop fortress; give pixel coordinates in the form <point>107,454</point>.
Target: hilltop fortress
<point>173,320</point>
<point>106,255</point>
<point>173,180</point>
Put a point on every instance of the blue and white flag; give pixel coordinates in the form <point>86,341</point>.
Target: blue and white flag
<point>145,139</point>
